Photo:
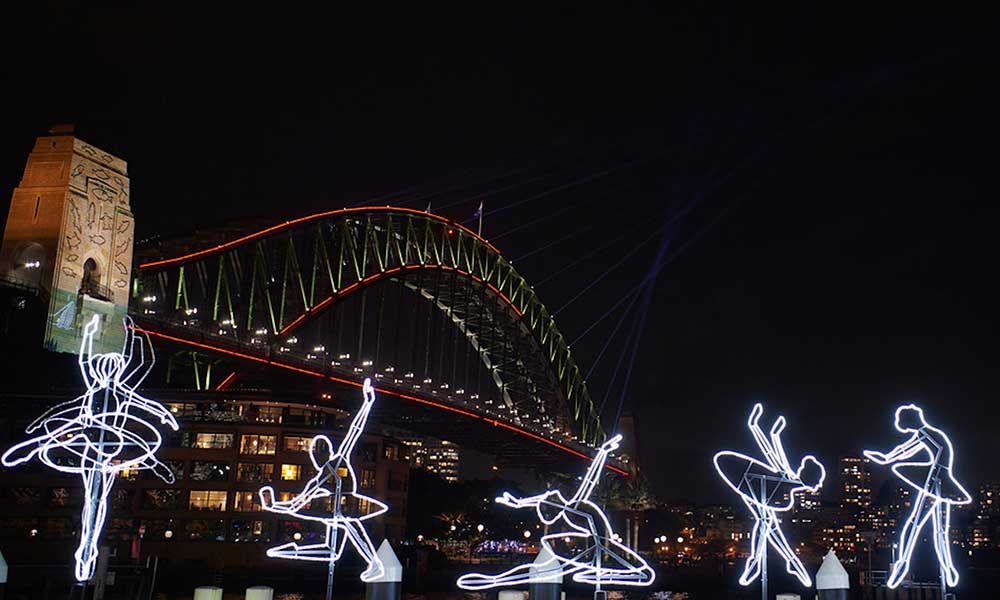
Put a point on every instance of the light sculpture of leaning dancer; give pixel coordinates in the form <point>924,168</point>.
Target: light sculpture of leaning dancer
<point>601,561</point>
<point>768,488</point>
<point>936,486</point>
<point>101,433</point>
<point>328,487</point>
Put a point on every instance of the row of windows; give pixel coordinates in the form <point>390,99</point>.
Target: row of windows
<point>168,499</point>
<point>245,413</point>
<point>267,445</point>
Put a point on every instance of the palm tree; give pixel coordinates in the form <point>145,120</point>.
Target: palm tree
<point>630,495</point>
<point>636,499</point>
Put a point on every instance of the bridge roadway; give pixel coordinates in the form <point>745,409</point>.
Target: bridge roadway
<point>402,403</point>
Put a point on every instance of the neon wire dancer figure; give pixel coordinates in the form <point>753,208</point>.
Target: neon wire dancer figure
<point>328,487</point>
<point>101,433</point>
<point>936,485</point>
<point>768,488</point>
<point>602,561</point>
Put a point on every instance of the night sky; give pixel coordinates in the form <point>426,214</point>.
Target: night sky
<point>820,184</point>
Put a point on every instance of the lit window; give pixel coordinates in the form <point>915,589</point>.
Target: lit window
<point>129,473</point>
<point>269,414</point>
<point>297,443</point>
<point>291,472</point>
<point>207,500</point>
<point>214,440</point>
<point>246,501</point>
<point>391,452</point>
<point>258,444</point>
<point>368,478</point>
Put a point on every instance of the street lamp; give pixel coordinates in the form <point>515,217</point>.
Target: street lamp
<point>527,533</point>
<point>680,540</point>
<point>168,533</point>
<point>480,528</point>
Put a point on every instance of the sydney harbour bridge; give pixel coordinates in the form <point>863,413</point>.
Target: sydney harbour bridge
<point>455,339</point>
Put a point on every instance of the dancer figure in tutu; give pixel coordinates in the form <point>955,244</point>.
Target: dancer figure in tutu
<point>602,561</point>
<point>101,433</point>
<point>936,486</point>
<point>767,488</point>
<point>329,486</point>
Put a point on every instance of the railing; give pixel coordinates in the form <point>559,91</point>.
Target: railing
<point>26,286</point>
<point>96,290</point>
<point>315,364</point>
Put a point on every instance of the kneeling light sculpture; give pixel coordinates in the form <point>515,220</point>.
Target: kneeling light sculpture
<point>937,490</point>
<point>101,433</point>
<point>768,488</point>
<point>323,500</point>
<point>600,559</point>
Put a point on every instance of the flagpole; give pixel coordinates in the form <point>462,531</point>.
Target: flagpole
<point>480,232</point>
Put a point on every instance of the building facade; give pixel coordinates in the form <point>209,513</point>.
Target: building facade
<point>227,448</point>
<point>440,457</point>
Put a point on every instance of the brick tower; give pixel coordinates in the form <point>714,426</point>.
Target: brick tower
<point>69,237</point>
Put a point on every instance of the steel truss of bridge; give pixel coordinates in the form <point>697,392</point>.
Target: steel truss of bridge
<point>428,309</point>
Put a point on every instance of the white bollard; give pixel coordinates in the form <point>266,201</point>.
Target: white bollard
<point>832,581</point>
<point>544,583</point>
<point>390,585</point>
<point>260,592</point>
<point>208,592</point>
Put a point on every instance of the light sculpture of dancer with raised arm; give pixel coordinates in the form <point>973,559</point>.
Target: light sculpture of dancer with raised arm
<point>320,501</point>
<point>768,488</point>
<point>601,561</point>
<point>101,433</point>
<point>936,486</point>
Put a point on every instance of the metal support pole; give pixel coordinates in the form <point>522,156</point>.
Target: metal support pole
<point>331,539</point>
<point>763,558</point>
<point>598,555</point>
<point>152,582</point>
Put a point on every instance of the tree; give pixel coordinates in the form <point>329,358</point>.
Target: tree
<point>631,496</point>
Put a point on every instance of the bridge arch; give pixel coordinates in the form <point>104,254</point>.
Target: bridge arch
<point>269,291</point>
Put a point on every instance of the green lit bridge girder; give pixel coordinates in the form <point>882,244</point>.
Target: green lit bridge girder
<point>476,333</point>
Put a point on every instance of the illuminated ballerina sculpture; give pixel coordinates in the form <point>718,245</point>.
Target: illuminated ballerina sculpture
<point>767,488</point>
<point>601,561</point>
<point>101,433</point>
<point>329,487</point>
<point>936,486</point>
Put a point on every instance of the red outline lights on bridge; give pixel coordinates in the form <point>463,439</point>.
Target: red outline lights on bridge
<point>453,409</point>
<point>306,219</point>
